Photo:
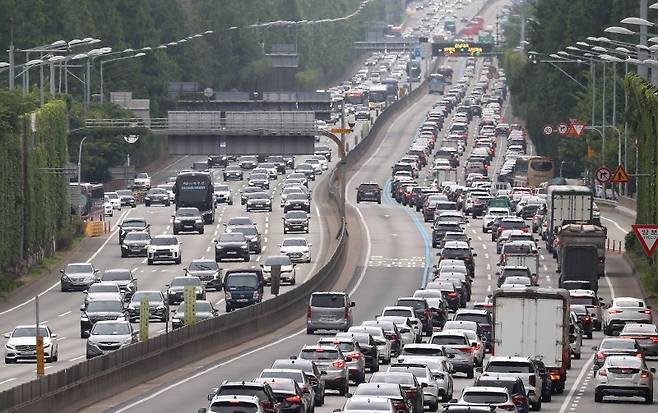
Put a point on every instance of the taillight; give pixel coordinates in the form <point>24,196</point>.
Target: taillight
<point>603,372</point>
<point>314,381</point>
<point>266,405</point>
<point>587,318</point>
<point>644,374</point>
<point>355,355</point>
<point>308,312</point>
<point>532,380</point>
<point>524,229</point>
<point>654,338</point>
<point>339,364</point>
<point>507,407</point>
<point>612,311</point>
<point>647,311</point>
<point>519,399</point>
<point>466,349</point>
<point>600,356</point>
<point>399,405</point>
<point>452,294</point>
<point>293,399</point>
<point>347,313</point>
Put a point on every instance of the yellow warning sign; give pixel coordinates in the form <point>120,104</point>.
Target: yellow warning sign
<point>620,175</point>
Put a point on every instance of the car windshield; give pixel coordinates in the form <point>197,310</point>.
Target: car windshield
<point>639,329</point>
<point>239,280</point>
<point>415,304</point>
<point>232,237</point>
<point>242,391</point>
<point>163,241</point>
<point>294,243</point>
<point>629,303</point>
<point>79,268</point>
<point>485,397</point>
<point>261,177</point>
<point>517,280</point>
<point>298,376</point>
<point>449,340</point>
<point>142,176</point>
<point>182,281</point>
<point>116,276</point>
<point>203,266</point>
<point>344,346</point>
<point>278,260</point>
<point>618,344</point>
<point>124,192</point>
<point>423,351</point>
<point>104,306</point>
<point>247,231</point>
<point>397,312</point>
<point>396,378</point>
<point>103,288</point>
<point>157,191</point>
<point>111,329</point>
<point>296,215</point>
<point>29,332</point>
<point>455,253</point>
<point>584,300</point>
<point>628,362</point>
<point>478,318</point>
<point>137,236</point>
<point>416,371</point>
<point>509,367</point>
<point>188,212</point>
<point>297,197</point>
<point>239,221</point>
<point>319,354</point>
<point>234,407</point>
<point>150,296</point>
<point>258,195</point>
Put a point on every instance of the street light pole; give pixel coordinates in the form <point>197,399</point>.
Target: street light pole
<point>12,69</point>
<point>625,128</point>
<point>80,161</point>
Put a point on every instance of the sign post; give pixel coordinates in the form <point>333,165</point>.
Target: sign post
<point>190,305</point>
<point>647,234</point>
<point>144,319</point>
<point>41,368</point>
<point>275,279</point>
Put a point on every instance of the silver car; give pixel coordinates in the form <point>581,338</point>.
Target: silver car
<point>359,404</point>
<point>431,394</point>
<point>379,335</point>
<point>357,366</point>
<point>110,335</point>
<point>441,370</point>
<point>458,346</point>
<point>329,311</point>
<point>625,310</point>
<point>407,333</point>
<point>331,360</point>
<point>103,291</point>
<point>646,336</point>
<point>624,376</point>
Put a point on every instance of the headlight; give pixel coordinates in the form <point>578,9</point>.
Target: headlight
<point>256,295</point>
<point>161,307</point>
<point>227,295</point>
<point>84,318</point>
<point>176,221</point>
<point>10,347</point>
<point>127,340</point>
<point>175,320</point>
<point>244,247</point>
<point>198,221</point>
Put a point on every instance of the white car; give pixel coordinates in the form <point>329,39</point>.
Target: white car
<point>107,207</point>
<point>142,180</point>
<point>408,312</point>
<point>114,199</point>
<point>164,248</point>
<point>22,344</point>
<point>297,249</point>
<point>169,187</point>
<point>491,215</point>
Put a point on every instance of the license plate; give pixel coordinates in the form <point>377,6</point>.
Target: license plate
<point>242,300</point>
<point>327,319</point>
<point>231,252</point>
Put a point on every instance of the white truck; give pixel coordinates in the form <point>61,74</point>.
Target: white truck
<point>567,204</point>
<point>534,322</point>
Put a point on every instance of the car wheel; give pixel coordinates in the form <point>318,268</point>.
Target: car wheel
<point>648,399</point>
<point>201,231</point>
<point>310,330</point>
<point>247,258</point>
<point>8,360</point>
<point>285,231</point>
<point>589,335</point>
<point>547,396</point>
<point>536,406</point>
<point>344,389</point>
<point>148,204</point>
<point>175,232</point>
<point>598,397</point>
<point>228,309</point>
<point>293,282</point>
<point>179,260</point>
<point>149,262</point>
<point>607,331</point>
<point>576,356</point>
<point>434,406</point>
<point>469,373</point>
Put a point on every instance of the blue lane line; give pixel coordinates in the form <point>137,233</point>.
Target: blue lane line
<point>421,228</point>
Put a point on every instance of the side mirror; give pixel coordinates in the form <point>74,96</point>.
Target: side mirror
<point>348,395</point>
<point>478,369</point>
<point>475,254</point>
<point>323,372</point>
<point>82,308</point>
<point>7,335</point>
<point>97,271</point>
<point>62,271</point>
<point>352,304</point>
<point>595,348</point>
<point>423,385</point>
<point>53,335</point>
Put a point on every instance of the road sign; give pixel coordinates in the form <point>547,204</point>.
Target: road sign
<point>548,130</point>
<point>341,130</point>
<point>603,175</point>
<point>144,319</point>
<point>562,128</point>
<point>620,176</point>
<point>647,234</point>
<point>578,128</point>
<point>190,305</point>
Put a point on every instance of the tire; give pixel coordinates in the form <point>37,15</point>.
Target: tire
<point>310,330</point>
<point>607,331</point>
<point>345,389</point>
<point>8,360</point>
<point>175,232</point>
<point>598,397</point>
<point>293,282</point>
<point>469,373</point>
<point>577,356</point>
<point>149,262</point>
<point>648,399</point>
<point>247,259</point>
<point>123,254</point>
<point>285,231</point>
<point>589,335</point>
<point>536,406</point>
<point>375,368</point>
<point>201,231</point>
<point>547,397</point>
<point>434,407</point>
<point>179,260</point>
<point>229,309</point>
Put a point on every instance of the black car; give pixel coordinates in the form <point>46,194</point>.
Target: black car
<point>158,308</point>
<point>258,201</point>
<point>457,250</point>
<point>217,161</point>
<point>307,170</point>
<point>262,391</point>
<point>135,244</point>
<point>248,161</point>
<point>127,198</point>
<point>440,229</point>
<point>188,219</point>
<point>233,173</point>
<point>252,235</point>
<point>297,202</point>
<point>295,221</point>
<point>176,289</point>
<point>208,272</point>
<point>259,180</point>
<point>278,161</point>
<point>157,196</point>
<point>369,192</point>
<point>244,193</point>
<point>133,224</point>
<point>231,246</point>
<point>98,310</point>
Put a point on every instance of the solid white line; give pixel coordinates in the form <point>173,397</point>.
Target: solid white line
<point>615,224</point>
<point>79,357</point>
<point>7,381</point>
<point>66,313</point>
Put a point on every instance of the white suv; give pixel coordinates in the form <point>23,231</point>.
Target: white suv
<point>142,180</point>
<point>523,368</point>
<point>164,248</point>
<point>114,199</point>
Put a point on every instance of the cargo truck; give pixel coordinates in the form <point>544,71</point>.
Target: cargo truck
<point>581,254</point>
<point>567,204</point>
<point>534,322</point>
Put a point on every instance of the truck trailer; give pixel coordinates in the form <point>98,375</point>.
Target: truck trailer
<point>581,253</point>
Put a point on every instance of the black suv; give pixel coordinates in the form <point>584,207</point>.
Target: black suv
<point>295,221</point>
<point>440,229</point>
<point>458,250</point>
<point>217,161</point>
<point>157,196</point>
<point>98,310</point>
<point>131,225</point>
<point>369,192</point>
<point>158,308</point>
<point>188,219</point>
<point>482,318</point>
<point>233,173</point>
<point>208,272</point>
<point>278,161</point>
<point>252,235</point>
<point>232,246</point>
<point>262,391</point>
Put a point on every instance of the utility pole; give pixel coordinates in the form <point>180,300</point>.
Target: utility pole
<point>626,128</point>
<point>603,120</point>
<point>12,69</point>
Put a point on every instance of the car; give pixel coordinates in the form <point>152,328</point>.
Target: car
<point>157,196</point>
<point>259,180</point>
<point>127,198</point>
<point>157,306</point>
<point>287,271</point>
<point>107,207</point>
<point>251,234</point>
<point>409,313</point>
<point>103,290</point>
<point>291,189</point>
<point>294,398</point>
<point>438,306</point>
<point>109,335</point>
<point>297,248</point>
<point>332,361</point>
<point>307,170</point>
<point>135,244</point>
<point>460,251</point>
<point>457,344</point>
<point>356,367</point>
<point>498,397</point>
<point>411,351</point>
<point>259,201</point>
<point>411,387</point>
<point>422,309</point>
<point>575,336</point>
<point>297,202</point>
<point>114,199</point>
<point>427,380</point>
<point>367,344</point>
<point>324,150</point>
<point>392,335</point>
<point>523,368</point>
<point>483,319</point>
<point>310,369</point>
<point>248,161</point>
<point>233,172</point>
<point>624,310</point>
<point>624,376</point>
<point>514,386</point>
<point>78,276</point>
<point>589,299</point>
<point>262,391</point>
<point>176,289</point>
<point>235,221</point>
<point>391,391</point>
<point>329,310</point>
<point>22,343</point>
<point>133,225</point>
<point>142,181</point>
<point>584,318</point>
<point>243,287</point>
<point>645,335</point>
<point>188,219</point>
<point>297,221</point>
<point>615,346</point>
<point>208,272</point>
<point>381,341</point>
<point>204,311</point>
<point>231,403</point>
<point>164,248</point>
<point>231,246</point>
<point>223,194</point>
<point>476,342</point>
<point>362,114</point>
<point>369,191</point>
<point>98,310</point>
<point>490,215</point>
